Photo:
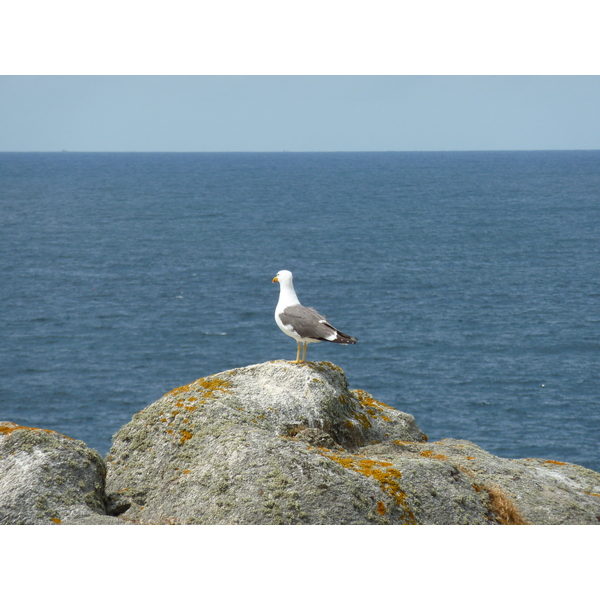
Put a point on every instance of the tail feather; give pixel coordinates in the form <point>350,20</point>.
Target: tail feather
<point>342,338</point>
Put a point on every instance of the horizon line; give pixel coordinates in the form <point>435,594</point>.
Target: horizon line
<point>284,151</point>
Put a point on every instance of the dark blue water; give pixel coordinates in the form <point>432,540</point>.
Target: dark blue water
<point>470,280</point>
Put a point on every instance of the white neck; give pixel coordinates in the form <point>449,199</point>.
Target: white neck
<point>287,294</point>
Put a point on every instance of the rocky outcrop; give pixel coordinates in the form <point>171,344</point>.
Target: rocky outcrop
<point>281,443</point>
<point>244,446</point>
<point>47,478</point>
<point>286,443</point>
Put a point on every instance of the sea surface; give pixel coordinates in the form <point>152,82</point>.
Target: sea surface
<point>471,280</point>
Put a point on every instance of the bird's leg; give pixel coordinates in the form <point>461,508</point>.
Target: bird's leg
<point>298,353</point>
<point>304,355</point>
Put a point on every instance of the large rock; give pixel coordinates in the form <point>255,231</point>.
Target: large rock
<point>286,443</point>
<point>242,447</point>
<point>48,478</point>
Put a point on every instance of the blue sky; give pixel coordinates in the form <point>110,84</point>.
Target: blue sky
<point>324,75</point>
<point>298,113</point>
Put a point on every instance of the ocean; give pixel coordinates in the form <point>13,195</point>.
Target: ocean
<point>469,278</point>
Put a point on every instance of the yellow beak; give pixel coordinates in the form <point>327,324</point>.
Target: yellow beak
<point>275,280</point>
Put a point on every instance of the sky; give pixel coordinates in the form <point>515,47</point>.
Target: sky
<point>298,113</point>
<point>326,75</point>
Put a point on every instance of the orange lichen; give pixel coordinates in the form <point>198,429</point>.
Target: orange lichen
<point>381,508</point>
<point>553,462</point>
<point>212,385</point>
<point>11,427</point>
<point>371,405</point>
<point>430,454</point>
<point>180,390</point>
<point>208,388</point>
<point>55,520</point>
<point>470,457</point>
<point>365,398</point>
<point>386,477</point>
<point>362,419</point>
<point>185,436</point>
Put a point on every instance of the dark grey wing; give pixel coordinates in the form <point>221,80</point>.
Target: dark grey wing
<point>308,323</point>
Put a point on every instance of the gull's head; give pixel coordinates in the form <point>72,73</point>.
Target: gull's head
<point>283,277</point>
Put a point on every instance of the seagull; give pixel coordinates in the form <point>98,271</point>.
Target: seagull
<point>304,324</point>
